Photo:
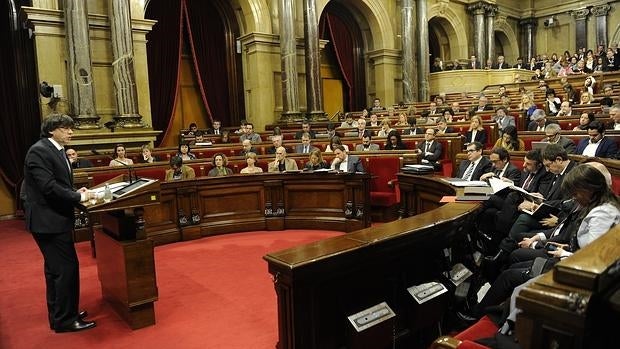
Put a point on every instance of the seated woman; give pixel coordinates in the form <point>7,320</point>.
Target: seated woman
<point>510,140</point>
<point>119,156</point>
<point>225,137</point>
<point>586,98</point>
<point>185,152</point>
<point>402,120</point>
<point>179,171</point>
<point>147,155</point>
<point>584,120</point>
<point>386,128</point>
<point>394,141</point>
<point>315,161</point>
<point>448,115</point>
<point>476,132</point>
<point>219,166</point>
<point>251,160</point>
<point>335,141</point>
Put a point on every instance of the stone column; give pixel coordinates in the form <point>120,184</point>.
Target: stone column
<point>288,57</point>
<point>123,73</point>
<point>314,92</point>
<point>490,12</point>
<point>478,10</point>
<point>528,28</point>
<point>423,50</point>
<point>79,66</point>
<point>581,27</point>
<point>601,23</point>
<point>408,51</point>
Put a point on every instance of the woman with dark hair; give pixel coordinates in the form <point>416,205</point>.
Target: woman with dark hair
<point>119,156</point>
<point>219,166</point>
<point>394,141</point>
<point>251,160</point>
<point>510,140</point>
<point>185,152</point>
<point>584,120</point>
<point>315,161</point>
<point>333,142</point>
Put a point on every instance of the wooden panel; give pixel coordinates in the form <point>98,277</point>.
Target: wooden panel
<point>333,96</point>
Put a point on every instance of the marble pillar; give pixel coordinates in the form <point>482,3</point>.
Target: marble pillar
<point>477,10</point>
<point>79,66</point>
<point>581,37</point>
<point>314,92</point>
<point>407,37</point>
<point>490,12</point>
<point>528,28</point>
<point>600,12</point>
<point>123,73</point>
<point>288,57</point>
<point>423,50</point>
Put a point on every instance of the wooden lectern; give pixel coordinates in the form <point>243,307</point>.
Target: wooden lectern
<point>125,259</point>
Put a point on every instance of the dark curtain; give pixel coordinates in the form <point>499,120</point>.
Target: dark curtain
<point>20,119</point>
<point>164,59</point>
<point>207,41</point>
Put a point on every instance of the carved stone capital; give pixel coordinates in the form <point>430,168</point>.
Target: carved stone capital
<point>477,8</point>
<point>580,14</point>
<point>600,10</point>
<point>491,10</point>
<point>500,20</point>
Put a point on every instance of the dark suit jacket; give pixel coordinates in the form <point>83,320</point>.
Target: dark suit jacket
<point>534,184</point>
<point>212,131</point>
<point>550,186</point>
<point>484,166</point>
<point>481,136</point>
<point>468,65</point>
<point>299,148</point>
<point>512,173</point>
<point>435,148</point>
<point>533,125</point>
<point>354,164</point>
<point>312,134</point>
<point>410,131</point>
<point>81,163</point>
<point>607,149</point>
<point>50,197</point>
<point>503,66</point>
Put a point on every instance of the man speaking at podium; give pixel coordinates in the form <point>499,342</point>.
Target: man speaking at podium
<point>49,204</point>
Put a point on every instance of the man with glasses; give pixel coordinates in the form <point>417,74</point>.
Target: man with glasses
<point>476,165</point>
<point>539,121</point>
<point>367,144</point>
<point>596,144</point>
<point>50,203</point>
<point>430,149</point>
<point>554,136</point>
<point>282,163</point>
<point>608,99</point>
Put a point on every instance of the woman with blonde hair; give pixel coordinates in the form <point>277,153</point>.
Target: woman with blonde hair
<point>315,161</point>
<point>402,121</point>
<point>251,160</point>
<point>585,98</point>
<point>386,128</point>
<point>527,105</point>
<point>476,132</point>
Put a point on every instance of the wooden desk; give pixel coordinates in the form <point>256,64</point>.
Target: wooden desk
<point>319,284</point>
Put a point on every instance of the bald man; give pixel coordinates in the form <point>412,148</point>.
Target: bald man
<point>282,163</point>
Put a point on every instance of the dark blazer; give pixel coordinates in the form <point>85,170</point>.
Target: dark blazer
<point>484,166</point>
<point>534,184</point>
<point>211,131</point>
<point>502,66</point>
<point>607,149</point>
<point>50,197</point>
<point>435,148</point>
<point>533,125</point>
<point>410,131</point>
<point>481,136</point>
<point>81,163</point>
<point>469,65</point>
<point>550,186</point>
<point>312,134</point>
<point>242,152</point>
<point>354,164</point>
<point>512,173</point>
<point>299,148</point>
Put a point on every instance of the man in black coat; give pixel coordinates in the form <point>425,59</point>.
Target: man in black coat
<point>49,204</point>
<point>76,161</point>
<point>476,165</point>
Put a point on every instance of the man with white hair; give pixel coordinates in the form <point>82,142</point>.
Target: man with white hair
<point>554,136</point>
<point>282,163</point>
<point>539,121</point>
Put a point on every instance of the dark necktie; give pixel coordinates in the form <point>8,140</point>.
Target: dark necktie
<point>428,146</point>
<point>469,171</point>
<point>528,181</point>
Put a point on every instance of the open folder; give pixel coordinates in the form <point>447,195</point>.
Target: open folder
<point>499,185</point>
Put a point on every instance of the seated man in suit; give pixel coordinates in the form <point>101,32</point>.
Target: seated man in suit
<point>344,162</point>
<point>250,134</point>
<point>442,127</point>
<point>614,115</point>
<point>247,148</point>
<point>539,121</point>
<point>502,168</point>
<point>483,104</point>
<point>305,147</point>
<point>412,130</point>
<point>216,129</point>
<point>430,149</point>
<point>554,136</point>
<point>367,144</point>
<point>596,144</point>
<point>75,161</point>
<point>277,143</point>
<point>501,64</point>
<point>305,128</point>
<point>473,63</point>
<point>282,163</point>
<point>476,165</point>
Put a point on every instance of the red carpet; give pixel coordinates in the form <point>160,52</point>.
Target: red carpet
<point>213,293</point>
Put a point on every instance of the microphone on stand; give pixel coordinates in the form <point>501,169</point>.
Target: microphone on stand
<point>133,177</point>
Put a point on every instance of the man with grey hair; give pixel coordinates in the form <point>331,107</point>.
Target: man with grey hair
<point>503,120</point>
<point>554,136</point>
<point>614,115</point>
<point>539,121</point>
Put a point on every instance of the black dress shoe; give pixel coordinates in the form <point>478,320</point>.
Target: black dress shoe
<point>77,325</point>
<point>81,316</point>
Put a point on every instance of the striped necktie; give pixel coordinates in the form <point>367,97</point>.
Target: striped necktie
<point>469,171</point>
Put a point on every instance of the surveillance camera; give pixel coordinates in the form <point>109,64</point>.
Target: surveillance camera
<point>546,22</point>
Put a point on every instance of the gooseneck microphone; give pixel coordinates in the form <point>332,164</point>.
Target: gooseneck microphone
<point>133,177</point>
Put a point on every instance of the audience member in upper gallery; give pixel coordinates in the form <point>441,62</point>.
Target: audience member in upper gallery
<point>251,160</point>
<point>219,166</point>
<point>501,64</point>
<point>349,122</point>
<point>552,103</point>
<point>336,141</point>
<point>376,105</point>
<point>580,68</point>
<point>586,98</point>
<point>185,152</point>
<point>282,163</point>
<point>430,149</point>
<point>119,156</point>
<point>503,120</point>
<point>250,134</point>
<point>608,99</point>
<point>344,162</point>
<point>489,64</point>
<point>305,128</point>
<point>247,147</point>
<point>437,65</point>
<point>596,144</point>
<point>367,144</point>
<point>520,64</point>
<point>539,121</point>
<point>614,115</point>
<point>610,62</point>
<point>584,120</point>
<point>553,134</point>
<point>502,168</point>
<point>565,68</point>
<point>532,65</point>
<point>216,129</point>
<point>316,162</point>
<point>394,141</point>
<point>306,146</point>
<point>473,63</point>
<point>412,129</point>
<point>538,75</point>
<point>386,128</point>
<point>277,142</point>
<point>476,165</point>
<point>456,65</point>
<point>598,68</point>
<point>147,154</point>
<point>510,140</point>
<point>75,160</point>
<point>476,132</point>
<point>179,171</point>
